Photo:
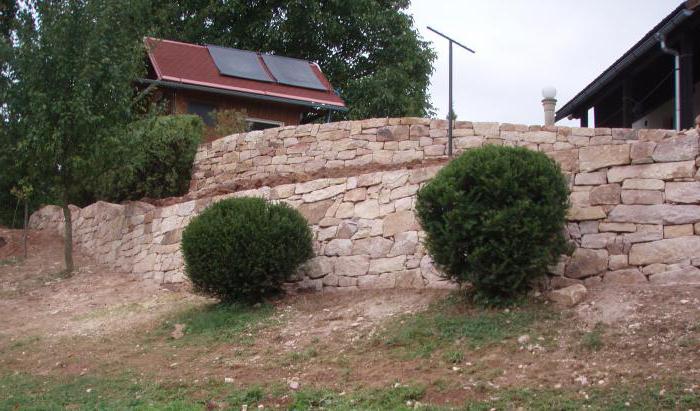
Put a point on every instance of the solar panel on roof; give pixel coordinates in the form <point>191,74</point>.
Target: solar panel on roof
<point>293,72</point>
<point>238,63</point>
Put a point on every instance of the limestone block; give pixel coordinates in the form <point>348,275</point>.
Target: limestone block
<point>655,214</point>
<point>624,277</point>
<point>642,197</point>
<point>641,150</point>
<point>605,194</point>
<point>643,184</point>
<point>368,209</point>
<point>665,251</point>
<point>351,266</point>
<point>368,228</point>
<point>366,180</point>
<point>339,246</point>
<point>405,191</point>
<point>588,227</point>
<point>539,137</point>
<point>577,213</point>
<point>567,159</point>
<point>327,233</point>
<point>596,157</point>
<point>375,247</point>
<point>654,268</point>
<point>312,185</point>
<point>345,210</point>
<point>323,194</point>
<point>682,276</point>
<point>385,265</point>
<point>404,243</point>
<point>419,130</point>
<point>395,179</point>
<point>580,198</point>
<point>407,156</point>
<point>568,296</point>
<point>399,222</point>
<point>660,171</point>
<point>679,148</point>
<point>317,267</point>
<point>586,262</point>
<point>485,129</point>
<point>347,281</point>
<point>314,212</point>
<point>599,240</point>
<point>618,227</point>
<point>346,229</point>
<point>463,143</point>
<point>393,133</point>
<point>594,179</point>
<point>434,150</point>
<point>617,262</point>
<point>409,279</point>
<point>683,192</point>
<point>645,232</point>
<point>682,230</point>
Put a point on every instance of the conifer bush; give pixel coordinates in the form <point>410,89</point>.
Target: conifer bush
<point>495,217</point>
<point>243,249</point>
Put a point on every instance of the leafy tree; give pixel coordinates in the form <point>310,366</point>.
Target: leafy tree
<point>369,49</point>
<point>72,69</point>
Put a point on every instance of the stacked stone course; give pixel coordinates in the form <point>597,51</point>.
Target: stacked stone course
<point>634,217</point>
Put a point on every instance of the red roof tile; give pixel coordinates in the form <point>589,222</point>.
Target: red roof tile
<point>192,64</point>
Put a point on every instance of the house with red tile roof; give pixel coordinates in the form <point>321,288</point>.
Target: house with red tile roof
<point>273,90</point>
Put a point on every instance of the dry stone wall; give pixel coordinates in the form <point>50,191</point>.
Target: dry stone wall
<point>634,217</point>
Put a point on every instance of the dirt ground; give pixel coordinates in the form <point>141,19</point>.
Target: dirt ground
<point>103,322</point>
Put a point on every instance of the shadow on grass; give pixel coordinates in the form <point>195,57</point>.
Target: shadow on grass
<point>221,322</point>
<point>457,320</point>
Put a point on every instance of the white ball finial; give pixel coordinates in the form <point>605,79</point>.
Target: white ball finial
<point>549,92</point>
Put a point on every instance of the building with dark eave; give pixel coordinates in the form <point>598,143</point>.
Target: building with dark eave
<point>273,90</point>
<point>655,84</point>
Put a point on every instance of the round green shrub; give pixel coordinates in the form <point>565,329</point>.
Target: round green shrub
<point>243,249</point>
<point>495,217</point>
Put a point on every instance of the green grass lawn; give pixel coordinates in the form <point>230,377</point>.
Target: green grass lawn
<point>22,392</point>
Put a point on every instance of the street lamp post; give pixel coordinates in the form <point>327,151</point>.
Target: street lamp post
<point>450,111</point>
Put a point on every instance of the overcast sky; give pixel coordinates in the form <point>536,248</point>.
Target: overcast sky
<point>524,45</point>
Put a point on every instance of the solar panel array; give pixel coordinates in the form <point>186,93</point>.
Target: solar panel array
<point>246,64</point>
<point>293,72</point>
<point>239,63</point>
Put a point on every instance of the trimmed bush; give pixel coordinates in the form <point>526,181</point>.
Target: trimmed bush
<point>155,159</point>
<point>495,218</point>
<point>243,249</point>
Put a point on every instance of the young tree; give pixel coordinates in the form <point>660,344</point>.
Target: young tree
<point>72,68</point>
<point>369,49</point>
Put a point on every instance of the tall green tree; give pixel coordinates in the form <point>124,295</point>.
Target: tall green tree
<point>369,49</point>
<point>72,70</point>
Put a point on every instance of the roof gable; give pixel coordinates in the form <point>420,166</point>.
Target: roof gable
<point>193,64</point>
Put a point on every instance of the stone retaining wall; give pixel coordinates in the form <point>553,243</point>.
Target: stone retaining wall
<point>635,214</point>
<point>309,148</point>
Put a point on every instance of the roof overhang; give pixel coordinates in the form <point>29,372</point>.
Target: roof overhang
<point>319,105</point>
<point>582,100</point>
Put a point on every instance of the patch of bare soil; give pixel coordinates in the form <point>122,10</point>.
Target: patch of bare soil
<point>40,300</point>
<point>104,323</point>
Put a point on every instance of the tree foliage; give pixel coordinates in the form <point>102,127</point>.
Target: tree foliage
<point>71,71</point>
<point>156,156</point>
<point>495,217</point>
<point>369,49</point>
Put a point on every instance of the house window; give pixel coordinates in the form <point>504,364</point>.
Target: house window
<point>203,110</point>
<point>259,124</point>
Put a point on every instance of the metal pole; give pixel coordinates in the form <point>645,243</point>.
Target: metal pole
<point>449,111</point>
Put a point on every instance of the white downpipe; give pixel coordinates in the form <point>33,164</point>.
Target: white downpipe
<point>677,79</point>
